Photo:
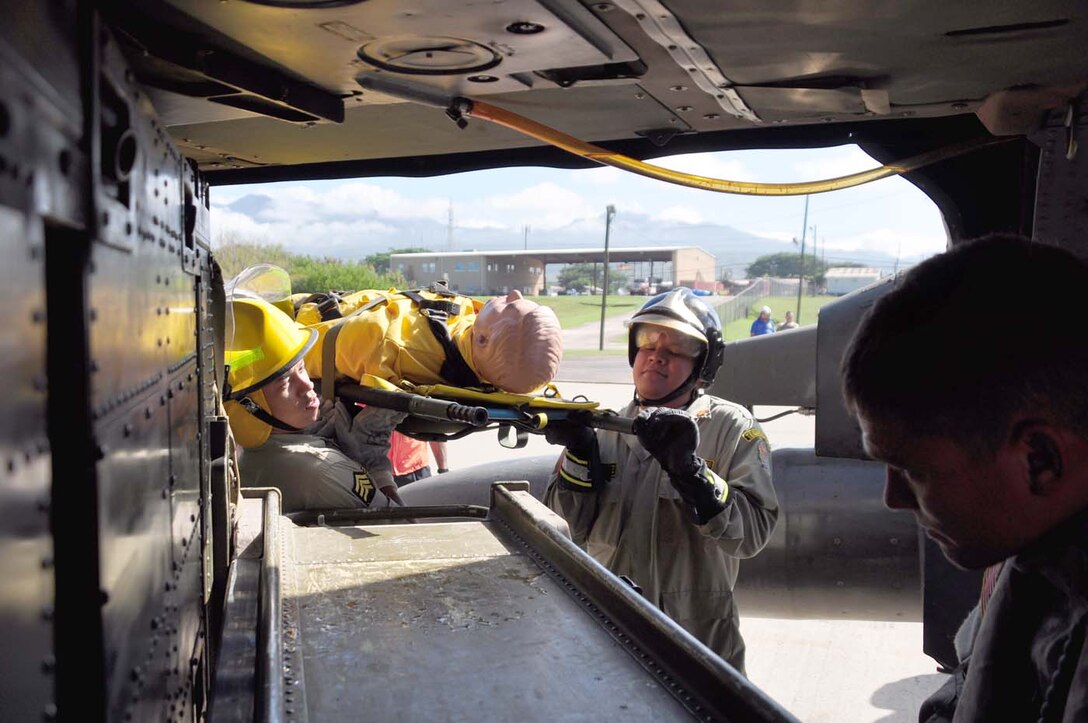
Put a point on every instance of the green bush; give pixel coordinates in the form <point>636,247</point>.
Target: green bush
<point>308,274</point>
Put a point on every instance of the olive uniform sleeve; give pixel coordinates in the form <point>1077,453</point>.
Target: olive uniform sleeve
<point>571,495</point>
<point>742,463</point>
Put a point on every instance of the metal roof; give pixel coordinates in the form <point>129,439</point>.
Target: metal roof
<point>568,256</point>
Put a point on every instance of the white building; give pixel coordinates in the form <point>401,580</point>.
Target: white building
<point>844,279</point>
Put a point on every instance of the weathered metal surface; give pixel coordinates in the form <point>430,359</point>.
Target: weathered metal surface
<point>772,369</point>
<point>837,552</point>
<point>460,620</point>
<point>837,433</point>
<point>26,549</point>
<point>479,628</point>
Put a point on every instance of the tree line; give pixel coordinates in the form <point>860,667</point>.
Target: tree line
<point>309,274</point>
<point>787,265</point>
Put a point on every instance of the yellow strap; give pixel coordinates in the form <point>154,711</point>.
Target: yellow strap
<point>506,399</point>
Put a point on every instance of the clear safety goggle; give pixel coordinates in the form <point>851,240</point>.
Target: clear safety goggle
<point>675,341</point>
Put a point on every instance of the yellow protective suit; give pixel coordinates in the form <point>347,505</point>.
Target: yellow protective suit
<point>392,340</point>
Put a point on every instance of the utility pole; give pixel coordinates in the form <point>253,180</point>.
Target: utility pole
<point>801,271</point>
<point>609,212</point>
<point>525,229</point>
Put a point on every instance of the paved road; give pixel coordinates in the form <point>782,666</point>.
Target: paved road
<point>588,335</point>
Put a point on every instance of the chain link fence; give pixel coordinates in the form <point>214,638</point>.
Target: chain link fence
<point>737,306</point>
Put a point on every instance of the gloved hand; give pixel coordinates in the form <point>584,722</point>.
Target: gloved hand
<point>671,436</point>
<point>579,468</point>
<point>572,434</point>
<point>366,438</point>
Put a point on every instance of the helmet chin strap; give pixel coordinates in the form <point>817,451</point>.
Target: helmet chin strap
<point>687,387</point>
<point>251,406</point>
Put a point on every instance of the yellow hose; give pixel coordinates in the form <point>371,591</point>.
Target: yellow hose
<point>494,114</point>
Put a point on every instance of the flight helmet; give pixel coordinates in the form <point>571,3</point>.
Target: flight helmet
<point>683,311</point>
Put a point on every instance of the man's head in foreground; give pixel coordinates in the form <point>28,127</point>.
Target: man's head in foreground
<point>983,425</point>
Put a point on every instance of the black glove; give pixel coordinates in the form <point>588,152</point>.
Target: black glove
<point>580,468</point>
<point>671,437</point>
<point>572,434</point>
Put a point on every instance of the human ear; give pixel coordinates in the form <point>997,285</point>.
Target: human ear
<point>1042,457</point>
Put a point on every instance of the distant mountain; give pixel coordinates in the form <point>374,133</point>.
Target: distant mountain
<point>354,236</point>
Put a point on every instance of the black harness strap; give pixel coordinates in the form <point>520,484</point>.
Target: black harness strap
<point>455,369</point>
<point>251,406</point>
<point>328,304</point>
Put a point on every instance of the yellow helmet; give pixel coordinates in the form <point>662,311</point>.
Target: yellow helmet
<point>263,344</point>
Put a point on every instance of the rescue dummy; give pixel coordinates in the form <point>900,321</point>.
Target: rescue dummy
<point>273,409</point>
<point>427,337</point>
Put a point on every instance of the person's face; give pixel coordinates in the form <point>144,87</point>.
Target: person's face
<point>789,316</point>
<point>291,398</point>
<point>764,315</point>
<point>513,307</point>
<point>662,363</point>
<point>973,506</point>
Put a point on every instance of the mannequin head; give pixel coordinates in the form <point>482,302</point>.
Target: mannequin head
<point>516,343</point>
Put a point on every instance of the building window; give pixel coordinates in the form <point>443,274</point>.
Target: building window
<point>509,268</point>
<point>428,267</point>
<point>473,265</point>
<point>459,266</point>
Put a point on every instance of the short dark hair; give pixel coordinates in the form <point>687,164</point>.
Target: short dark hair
<point>963,343</point>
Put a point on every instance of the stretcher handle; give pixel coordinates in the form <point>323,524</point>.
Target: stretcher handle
<point>612,422</point>
<point>414,404</point>
<point>599,420</point>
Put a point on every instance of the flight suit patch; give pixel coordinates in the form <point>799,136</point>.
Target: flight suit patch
<point>364,488</point>
<point>753,433</point>
<point>764,454</point>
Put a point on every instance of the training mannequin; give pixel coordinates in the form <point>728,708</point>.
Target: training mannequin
<point>509,342</point>
<point>428,337</point>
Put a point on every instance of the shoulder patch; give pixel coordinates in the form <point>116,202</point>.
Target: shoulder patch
<point>764,454</point>
<point>364,488</point>
<point>753,434</point>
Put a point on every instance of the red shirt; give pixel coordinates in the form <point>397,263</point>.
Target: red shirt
<point>407,454</point>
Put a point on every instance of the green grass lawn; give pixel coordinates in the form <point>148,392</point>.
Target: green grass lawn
<point>810,306</point>
<point>577,310</point>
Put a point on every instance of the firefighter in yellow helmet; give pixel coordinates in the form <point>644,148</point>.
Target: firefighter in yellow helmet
<point>273,409</point>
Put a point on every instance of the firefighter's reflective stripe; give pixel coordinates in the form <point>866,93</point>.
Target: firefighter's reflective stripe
<point>575,471</point>
<point>721,487</point>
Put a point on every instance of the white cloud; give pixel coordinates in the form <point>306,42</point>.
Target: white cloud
<point>778,235</point>
<point>847,160</point>
<point>892,242</point>
<point>367,198</point>
<point>679,214</point>
<point>546,206</point>
<point>601,176</point>
<point>711,165</point>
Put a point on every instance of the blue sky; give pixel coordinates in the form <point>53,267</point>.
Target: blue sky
<point>353,218</point>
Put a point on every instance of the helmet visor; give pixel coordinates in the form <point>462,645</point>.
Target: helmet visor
<point>683,343</point>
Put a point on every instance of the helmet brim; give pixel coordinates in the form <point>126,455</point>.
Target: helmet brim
<point>668,322</point>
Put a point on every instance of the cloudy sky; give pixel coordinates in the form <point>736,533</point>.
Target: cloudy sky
<point>565,208</point>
